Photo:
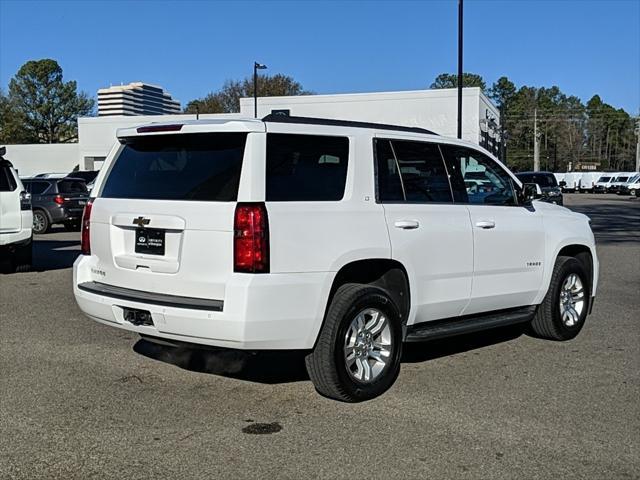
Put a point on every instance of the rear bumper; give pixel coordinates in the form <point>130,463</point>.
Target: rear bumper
<point>15,239</point>
<point>260,312</point>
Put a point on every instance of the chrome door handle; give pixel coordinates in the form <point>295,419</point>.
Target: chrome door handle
<point>486,224</point>
<point>407,224</point>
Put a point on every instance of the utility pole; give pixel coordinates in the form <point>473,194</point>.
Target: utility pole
<point>536,142</point>
<point>638,144</point>
<point>460,7</point>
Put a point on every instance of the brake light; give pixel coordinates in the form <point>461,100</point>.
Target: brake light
<point>176,127</point>
<point>251,238</point>
<point>59,199</point>
<point>85,233</point>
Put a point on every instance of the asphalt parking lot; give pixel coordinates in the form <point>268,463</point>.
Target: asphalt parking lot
<point>81,400</point>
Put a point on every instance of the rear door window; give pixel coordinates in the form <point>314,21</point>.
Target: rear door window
<point>7,182</point>
<point>411,171</point>
<point>197,166</point>
<point>306,167</point>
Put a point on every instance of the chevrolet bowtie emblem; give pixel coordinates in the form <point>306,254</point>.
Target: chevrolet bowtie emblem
<point>141,221</point>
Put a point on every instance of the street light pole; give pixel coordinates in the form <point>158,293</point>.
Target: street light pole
<point>460,7</point>
<point>256,66</point>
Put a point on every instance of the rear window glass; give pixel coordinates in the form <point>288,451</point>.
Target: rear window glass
<point>306,167</point>
<point>198,166</point>
<point>72,186</point>
<point>7,182</point>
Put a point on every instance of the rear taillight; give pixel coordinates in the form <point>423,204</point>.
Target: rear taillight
<point>25,201</point>
<point>85,233</point>
<point>251,238</point>
<point>59,199</point>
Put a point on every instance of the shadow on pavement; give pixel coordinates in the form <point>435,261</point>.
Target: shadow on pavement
<point>612,224</point>
<point>54,254</point>
<point>260,367</point>
<point>273,367</point>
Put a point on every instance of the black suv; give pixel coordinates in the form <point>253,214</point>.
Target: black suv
<point>551,191</point>
<point>56,200</point>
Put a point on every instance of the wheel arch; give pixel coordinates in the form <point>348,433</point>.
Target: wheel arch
<point>389,275</point>
<point>583,252</point>
<point>43,210</point>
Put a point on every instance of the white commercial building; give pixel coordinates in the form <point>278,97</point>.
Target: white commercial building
<point>434,110</point>
<point>136,98</point>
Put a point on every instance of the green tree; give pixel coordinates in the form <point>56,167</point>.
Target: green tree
<point>450,80</point>
<point>227,99</point>
<point>41,107</point>
<point>502,91</point>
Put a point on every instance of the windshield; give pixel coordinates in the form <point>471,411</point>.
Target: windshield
<point>193,166</point>
<point>622,179</point>
<point>544,180</point>
<point>604,179</point>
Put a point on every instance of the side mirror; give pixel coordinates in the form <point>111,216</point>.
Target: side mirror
<point>563,183</point>
<point>530,192</point>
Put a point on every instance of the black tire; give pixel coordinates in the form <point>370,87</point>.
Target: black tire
<point>548,322</point>
<point>22,257</point>
<point>41,223</point>
<point>326,364</point>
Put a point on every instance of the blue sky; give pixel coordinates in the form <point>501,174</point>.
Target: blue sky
<point>191,47</point>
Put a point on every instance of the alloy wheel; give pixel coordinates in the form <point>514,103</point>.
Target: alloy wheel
<point>572,300</point>
<point>367,345</point>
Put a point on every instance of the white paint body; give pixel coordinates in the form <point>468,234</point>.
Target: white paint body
<point>434,109</point>
<point>618,180</point>
<point>453,267</point>
<point>15,223</point>
<point>588,180</point>
<point>572,180</point>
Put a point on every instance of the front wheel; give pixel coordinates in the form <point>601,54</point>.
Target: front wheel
<point>562,313</point>
<point>357,354</point>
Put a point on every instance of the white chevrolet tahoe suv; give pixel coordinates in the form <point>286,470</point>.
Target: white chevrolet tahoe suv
<point>345,239</point>
<point>16,219</point>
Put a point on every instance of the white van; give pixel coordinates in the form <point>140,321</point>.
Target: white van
<point>603,183</point>
<point>341,238</point>
<point>620,180</point>
<point>588,181</point>
<point>631,187</point>
<point>572,182</point>
<point>559,177</point>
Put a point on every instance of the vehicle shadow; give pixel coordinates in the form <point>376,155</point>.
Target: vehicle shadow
<point>272,367</point>
<point>255,366</point>
<point>54,254</point>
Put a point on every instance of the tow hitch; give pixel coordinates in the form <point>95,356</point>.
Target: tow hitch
<point>137,317</point>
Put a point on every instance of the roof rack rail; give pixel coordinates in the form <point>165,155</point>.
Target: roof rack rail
<point>282,118</point>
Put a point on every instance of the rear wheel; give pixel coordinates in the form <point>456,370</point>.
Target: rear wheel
<point>564,309</point>
<point>357,355</point>
<point>41,222</point>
